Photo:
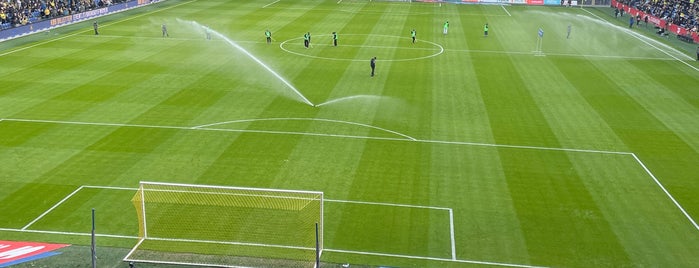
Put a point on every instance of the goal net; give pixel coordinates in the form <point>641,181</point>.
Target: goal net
<point>220,226</point>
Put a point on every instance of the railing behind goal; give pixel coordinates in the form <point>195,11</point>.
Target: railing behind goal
<point>227,226</point>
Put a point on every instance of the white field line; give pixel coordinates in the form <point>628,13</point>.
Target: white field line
<point>677,204</point>
<point>636,35</point>
<point>265,6</point>
<point>505,9</point>
<point>316,134</point>
<point>185,264</point>
<point>339,1</point>
<point>79,32</point>
<point>67,233</point>
<point>52,208</point>
<point>451,232</point>
<point>559,54</point>
<point>430,258</point>
<point>308,119</point>
<point>524,147</point>
<point>326,249</point>
<point>386,204</point>
<point>128,255</point>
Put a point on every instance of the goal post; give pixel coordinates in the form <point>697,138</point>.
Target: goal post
<point>222,226</point>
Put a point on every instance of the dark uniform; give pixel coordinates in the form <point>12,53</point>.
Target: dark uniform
<point>373,66</point>
<point>306,40</point>
<point>95,26</point>
<point>412,34</point>
<point>268,34</point>
<point>335,38</point>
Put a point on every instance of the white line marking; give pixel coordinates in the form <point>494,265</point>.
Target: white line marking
<point>429,258</point>
<point>559,54</point>
<point>67,233</point>
<point>110,187</point>
<point>316,134</point>
<point>386,204</point>
<point>677,204</point>
<point>128,255</point>
<point>52,208</point>
<point>451,230</point>
<point>271,4</point>
<point>339,1</point>
<point>307,119</point>
<point>524,147</point>
<point>638,36</point>
<point>79,32</point>
<point>441,49</point>
<point>327,249</point>
<point>505,9</point>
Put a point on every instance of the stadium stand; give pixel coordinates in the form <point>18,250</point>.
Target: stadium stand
<point>15,13</point>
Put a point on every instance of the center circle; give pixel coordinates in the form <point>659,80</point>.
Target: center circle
<point>296,47</point>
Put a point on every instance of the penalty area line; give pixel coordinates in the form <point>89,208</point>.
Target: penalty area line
<point>431,258</point>
<point>52,208</point>
<point>674,201</point>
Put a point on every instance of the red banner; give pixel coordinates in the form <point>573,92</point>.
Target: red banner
<point>11,251</point>
<point>655,20</point>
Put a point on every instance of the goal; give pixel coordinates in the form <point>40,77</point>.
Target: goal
<point>205,225</point>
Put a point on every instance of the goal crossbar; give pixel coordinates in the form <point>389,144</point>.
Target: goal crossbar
<point>238,226</point>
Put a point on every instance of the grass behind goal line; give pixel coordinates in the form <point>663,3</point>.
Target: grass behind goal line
<point>603,89</point>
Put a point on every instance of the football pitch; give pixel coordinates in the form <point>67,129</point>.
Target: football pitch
<point>573,148</point>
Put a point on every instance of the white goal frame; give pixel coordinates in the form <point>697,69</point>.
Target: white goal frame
<point>145,236</point>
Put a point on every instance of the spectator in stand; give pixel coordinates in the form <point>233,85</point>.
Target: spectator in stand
<point>15,13</point>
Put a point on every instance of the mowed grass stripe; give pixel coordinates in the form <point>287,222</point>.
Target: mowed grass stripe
<point>533,207</point>
<point>641,131</point>
<point>563,106</point>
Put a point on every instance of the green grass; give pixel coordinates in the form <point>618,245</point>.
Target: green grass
<point>541,160</point>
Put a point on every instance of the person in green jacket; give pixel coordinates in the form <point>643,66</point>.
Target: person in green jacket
<point>485,30</point>
<point>268,34</point>
<point>412,34</point>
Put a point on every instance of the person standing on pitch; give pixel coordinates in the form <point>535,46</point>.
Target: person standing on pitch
<point>485,30</point>
<point>305,40</point>
<point>373,65</point>
<point>569,28</point>
<point>165,34</point>
<point>335,38</point>
<point>698,53</point>
<point>268,34</point>
<point>446,27</point>
<point>95,26</point>
<point>630,21</point>
<point>412,34</point>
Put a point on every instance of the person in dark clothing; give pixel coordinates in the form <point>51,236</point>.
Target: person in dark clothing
<point>95,26</point>
<point>645,20</point>
<point>373,65</point>
<point>335,38</point>
<point>631,22</point>
<point>698,53</point>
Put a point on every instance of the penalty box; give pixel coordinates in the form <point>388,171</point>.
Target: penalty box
<point>354,226</point>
